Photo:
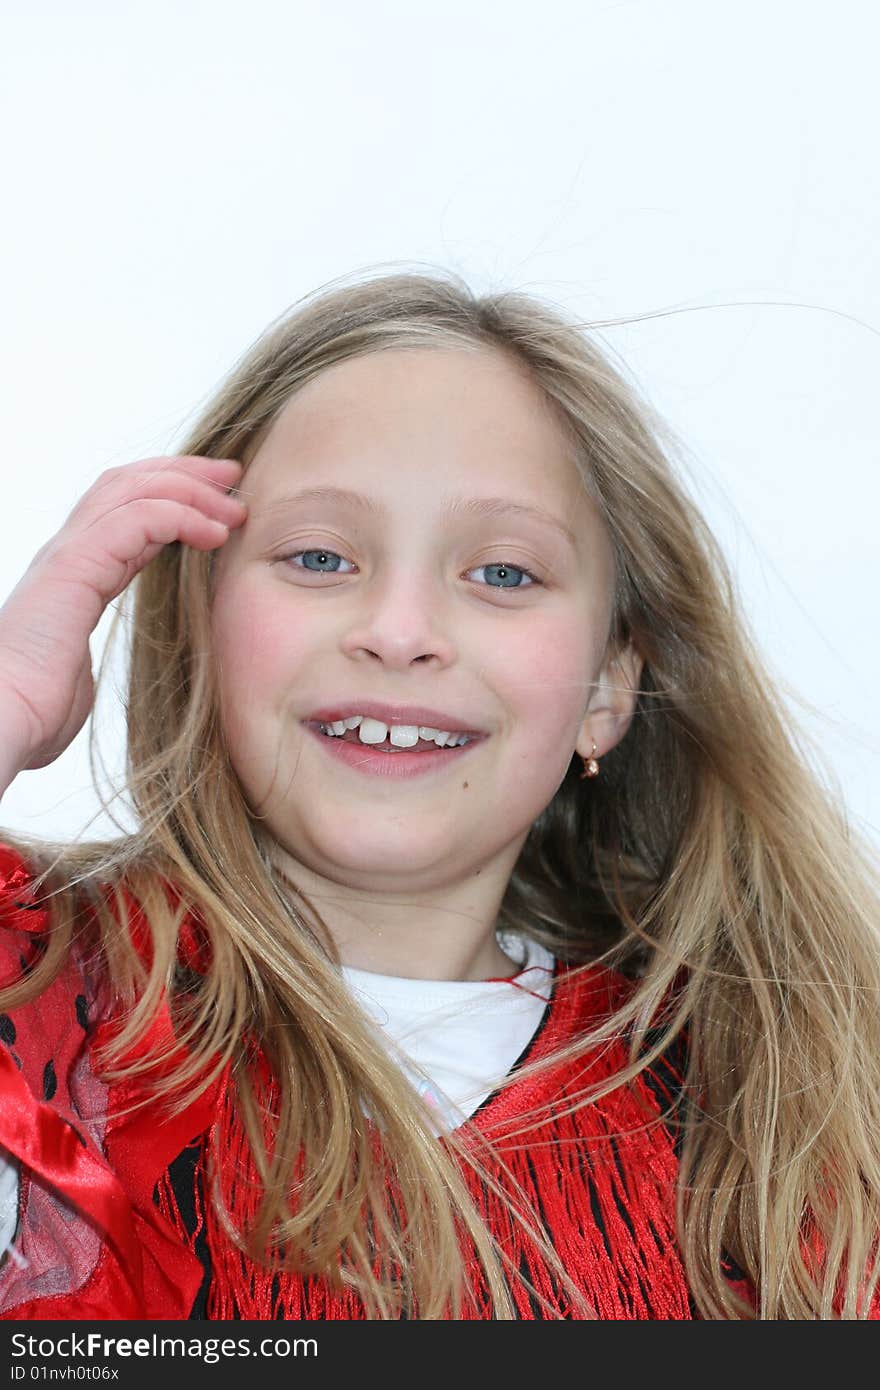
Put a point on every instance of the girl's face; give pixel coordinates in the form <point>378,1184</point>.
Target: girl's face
<point>402,584</point>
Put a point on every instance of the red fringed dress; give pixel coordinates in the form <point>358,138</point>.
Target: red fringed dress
<point>113,1217</point>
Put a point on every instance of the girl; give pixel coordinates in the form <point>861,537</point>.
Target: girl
<point>486,948</point>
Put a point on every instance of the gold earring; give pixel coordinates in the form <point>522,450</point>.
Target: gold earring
<point>591,767</point>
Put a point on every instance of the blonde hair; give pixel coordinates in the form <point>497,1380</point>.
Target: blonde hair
<point>708,863</point>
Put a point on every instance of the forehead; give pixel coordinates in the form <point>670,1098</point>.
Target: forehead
<point>469,420</point>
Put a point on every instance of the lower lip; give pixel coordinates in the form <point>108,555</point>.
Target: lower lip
<point>366,759</point>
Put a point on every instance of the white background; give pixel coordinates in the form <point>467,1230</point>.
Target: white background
<point>178,173</point>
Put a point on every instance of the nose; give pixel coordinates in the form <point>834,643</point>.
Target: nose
<point>401,621</point>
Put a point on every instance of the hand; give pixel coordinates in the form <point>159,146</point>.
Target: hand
<point>46,684</point>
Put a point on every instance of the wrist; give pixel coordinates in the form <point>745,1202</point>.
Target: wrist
<point>16,739</point>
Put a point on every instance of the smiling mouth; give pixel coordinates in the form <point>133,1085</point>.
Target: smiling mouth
<point>386,759</point>
<point>424,745</point>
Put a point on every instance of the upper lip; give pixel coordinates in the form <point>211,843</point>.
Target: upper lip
<point>395,714</point>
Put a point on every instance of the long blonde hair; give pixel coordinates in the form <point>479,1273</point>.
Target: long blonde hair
<point>709,863</point>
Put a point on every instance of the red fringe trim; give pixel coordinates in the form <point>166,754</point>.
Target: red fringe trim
<point>601,1183</point>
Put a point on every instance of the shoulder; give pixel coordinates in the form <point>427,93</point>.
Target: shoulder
<point>24,940</point>
<point>25,915</point>
<point>19,908</point>
<point>585,996</point>
<point>41,1034</point>
<point>78,1158</point>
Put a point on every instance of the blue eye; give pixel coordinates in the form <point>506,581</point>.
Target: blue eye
<point>324,556</point>
<point>503,571</point>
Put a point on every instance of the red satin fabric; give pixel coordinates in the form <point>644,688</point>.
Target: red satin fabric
<point>97,1245</point>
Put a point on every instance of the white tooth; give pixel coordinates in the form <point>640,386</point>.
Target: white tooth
<point>339,726</point>
<point>425,732</point>
<point>352,721</point>
<point>372,731</point>
<point>404,735</point>
<point>442,738</point>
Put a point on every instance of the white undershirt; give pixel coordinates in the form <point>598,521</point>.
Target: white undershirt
<point>455,1039</point>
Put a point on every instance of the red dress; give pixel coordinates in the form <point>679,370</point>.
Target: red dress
<point>113,1220</point>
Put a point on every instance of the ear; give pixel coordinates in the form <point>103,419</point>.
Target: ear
<point>612,703</point>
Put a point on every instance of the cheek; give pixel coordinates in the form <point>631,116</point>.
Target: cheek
<point>257,651</point>
<point>545,671</point>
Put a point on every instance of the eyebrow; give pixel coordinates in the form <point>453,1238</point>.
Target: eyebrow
<point>452,506</point>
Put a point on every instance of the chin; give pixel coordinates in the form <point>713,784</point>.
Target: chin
<point>383,865</point>
<point>380,860</point>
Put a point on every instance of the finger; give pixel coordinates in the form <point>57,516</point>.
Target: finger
<point>204,481</point>
<point>190,490</point>
<point>212,469</point>
<point>118,545</point>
